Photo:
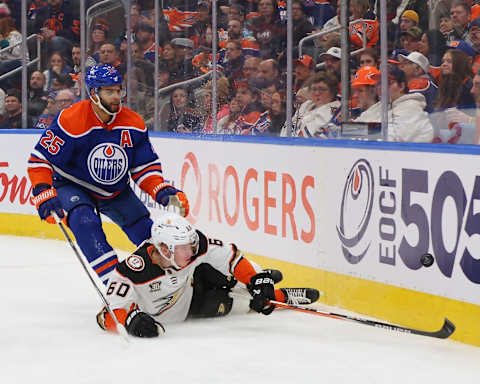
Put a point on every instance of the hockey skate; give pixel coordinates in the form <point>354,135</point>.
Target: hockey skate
<point>303,296</point>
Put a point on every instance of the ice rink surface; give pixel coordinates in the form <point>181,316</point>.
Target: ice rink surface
<point>48,334</point>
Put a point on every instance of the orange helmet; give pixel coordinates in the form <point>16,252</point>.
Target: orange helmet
<point>366,75</point>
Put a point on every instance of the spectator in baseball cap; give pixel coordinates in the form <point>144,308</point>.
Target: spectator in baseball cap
<point>407,120</point>
<point>363,86</point>
<point>304,68</point>
<point>416,68</point>
<point>462,46</point>
<point>465,48</point>
<point>331,60</point>
<point>410,39</point>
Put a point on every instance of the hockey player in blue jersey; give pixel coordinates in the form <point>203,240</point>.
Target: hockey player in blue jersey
<point>82,166</point>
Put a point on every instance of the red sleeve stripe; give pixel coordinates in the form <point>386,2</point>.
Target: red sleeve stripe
<point>154,168</point>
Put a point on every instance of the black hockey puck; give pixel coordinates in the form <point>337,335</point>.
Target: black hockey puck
<point>427,259</point>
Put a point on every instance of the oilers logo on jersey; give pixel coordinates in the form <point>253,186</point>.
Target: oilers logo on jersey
<point>107,163</point>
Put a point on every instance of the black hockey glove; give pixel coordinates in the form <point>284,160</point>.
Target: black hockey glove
<point>261,289</point>
<point>141,324</point>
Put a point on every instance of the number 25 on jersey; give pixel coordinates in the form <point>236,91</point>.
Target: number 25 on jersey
<point>51,142</point>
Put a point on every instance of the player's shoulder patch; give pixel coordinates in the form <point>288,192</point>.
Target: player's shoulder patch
<point>138,267</point>
<point>135,263</point>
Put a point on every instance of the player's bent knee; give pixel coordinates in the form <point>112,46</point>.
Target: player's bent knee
<point>83,217</point>
<point>140,230</point>
<point>215,303</point>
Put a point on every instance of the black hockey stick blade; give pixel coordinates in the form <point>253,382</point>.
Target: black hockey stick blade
<point>446,331</point>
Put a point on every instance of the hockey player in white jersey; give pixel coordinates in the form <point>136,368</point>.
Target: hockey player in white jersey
<point>181,273</point>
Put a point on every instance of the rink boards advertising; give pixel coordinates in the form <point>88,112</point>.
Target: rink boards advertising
<point>352,221</point>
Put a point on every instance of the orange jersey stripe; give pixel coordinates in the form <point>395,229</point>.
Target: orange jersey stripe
<point>152,167</point>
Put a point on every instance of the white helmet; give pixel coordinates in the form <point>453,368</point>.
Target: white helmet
<point>171,229</point>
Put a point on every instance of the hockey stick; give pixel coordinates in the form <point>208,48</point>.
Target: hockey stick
<point>120,328</point>
<point>446,331</point>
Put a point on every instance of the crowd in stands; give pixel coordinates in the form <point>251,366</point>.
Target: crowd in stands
<point>433,50</point>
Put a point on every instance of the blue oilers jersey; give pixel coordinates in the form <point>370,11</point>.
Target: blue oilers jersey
<point>97,156</point>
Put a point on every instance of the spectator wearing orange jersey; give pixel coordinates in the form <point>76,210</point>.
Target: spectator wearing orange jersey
<point>249,45</point>
<point>368,27</point>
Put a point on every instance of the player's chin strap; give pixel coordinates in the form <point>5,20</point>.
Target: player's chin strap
<point>99,104</point>
<point>120,328</point>
<point>170,259</point>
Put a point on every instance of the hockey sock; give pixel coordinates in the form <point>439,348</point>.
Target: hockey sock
<point>280,296</point>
